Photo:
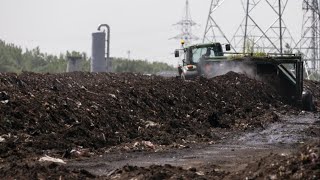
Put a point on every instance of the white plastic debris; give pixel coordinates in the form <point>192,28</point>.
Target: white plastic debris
<point>273,177</point>
<point>151,124</point>
<point>82,87</point>
<point>113,96</point>
<point>136,144</point>
<point>5,102</point>
<point>148,144</point>
<point>200,173</point>
<point>51,159</point>
<point>79,104</point>
<point>2,139</point>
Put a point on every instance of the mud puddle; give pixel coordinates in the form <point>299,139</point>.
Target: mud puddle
<point>231,154</point>
<point>290,130</point>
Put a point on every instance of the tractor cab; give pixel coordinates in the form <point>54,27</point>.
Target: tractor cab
<point>194,54</point>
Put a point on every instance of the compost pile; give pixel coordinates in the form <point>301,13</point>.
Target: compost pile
<point>58,113</point>
<point>43,170</point>
<point>101,110</point>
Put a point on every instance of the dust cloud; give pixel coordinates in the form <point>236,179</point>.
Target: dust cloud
<point>221,68</point>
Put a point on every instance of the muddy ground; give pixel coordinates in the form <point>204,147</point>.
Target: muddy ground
<point>106,125</point>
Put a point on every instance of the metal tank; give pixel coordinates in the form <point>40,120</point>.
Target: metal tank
<point>100,52</point>
<point>74,63</point>
<point>98,62</point>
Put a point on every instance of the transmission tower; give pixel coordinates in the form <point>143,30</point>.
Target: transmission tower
<point>271,39</point>
<point>185,25</point>
<point>213,32</point>
<point>250,35</point>
<point>310,39</point>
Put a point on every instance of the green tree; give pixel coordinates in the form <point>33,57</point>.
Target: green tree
<point>13,59</point>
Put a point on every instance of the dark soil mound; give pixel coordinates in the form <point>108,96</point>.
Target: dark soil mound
<point>55,113</point>
<point>42,171</point>
<point>163,172</point>
<point>41,112</point>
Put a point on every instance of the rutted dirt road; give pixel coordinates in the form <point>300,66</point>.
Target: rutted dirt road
<point>231,154</point>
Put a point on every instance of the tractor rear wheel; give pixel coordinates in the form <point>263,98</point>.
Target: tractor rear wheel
<point>307,101</point>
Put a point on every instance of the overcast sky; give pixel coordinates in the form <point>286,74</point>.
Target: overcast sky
<point>141,26</point>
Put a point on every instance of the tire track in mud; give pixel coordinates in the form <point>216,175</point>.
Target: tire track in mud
<point>231,154</point>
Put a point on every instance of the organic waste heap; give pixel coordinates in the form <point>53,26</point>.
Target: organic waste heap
<point>103,110</point>
<point>52,114</point>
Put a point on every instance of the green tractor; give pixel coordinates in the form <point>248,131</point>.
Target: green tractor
<point>282,71</point>
<point>199,58</point>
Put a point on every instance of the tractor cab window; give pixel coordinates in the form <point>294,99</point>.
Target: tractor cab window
<point>197,54</point>
<point>205,53</point>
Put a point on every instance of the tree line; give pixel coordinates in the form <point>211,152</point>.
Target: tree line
<point>14,59</point>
